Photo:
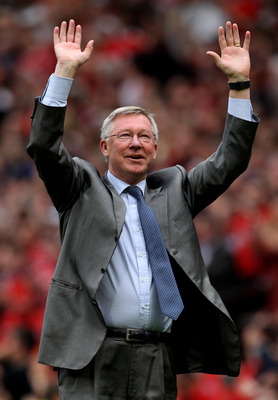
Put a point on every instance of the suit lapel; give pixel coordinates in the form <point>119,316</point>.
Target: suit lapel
<point>157,200</point>
<point>119,205</point>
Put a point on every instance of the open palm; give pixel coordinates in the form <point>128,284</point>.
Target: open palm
<point>67,46</point>
<point>234,60</point>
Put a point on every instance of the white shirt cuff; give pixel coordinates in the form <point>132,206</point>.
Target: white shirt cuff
<point>57,91</point>
<point>240,108</point>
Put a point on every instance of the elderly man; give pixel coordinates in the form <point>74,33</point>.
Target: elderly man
<point>130,304</point>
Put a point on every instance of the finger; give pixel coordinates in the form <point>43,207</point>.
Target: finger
<point>221,38</point>
<point>229,34</point>
<point>247,40</point>
<point>236,35</point>
<point>78,35</point>
<point>63,32</point>
<point>71,29</point>
<point>56,38</point>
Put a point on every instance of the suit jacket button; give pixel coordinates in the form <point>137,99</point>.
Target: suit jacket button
<point>103,270</point>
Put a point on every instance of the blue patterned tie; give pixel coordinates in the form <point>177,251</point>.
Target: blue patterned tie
<point>166,287</point>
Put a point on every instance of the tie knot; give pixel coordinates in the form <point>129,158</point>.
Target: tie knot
<point>135,191</point>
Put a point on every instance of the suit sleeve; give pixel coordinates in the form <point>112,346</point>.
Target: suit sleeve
<point>62,176</point>
<point>212,177</point>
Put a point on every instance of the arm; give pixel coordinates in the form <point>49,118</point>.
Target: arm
<point>63,178</point>
<point>212,177</point>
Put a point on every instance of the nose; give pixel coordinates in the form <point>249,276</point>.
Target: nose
<point>135,142</point>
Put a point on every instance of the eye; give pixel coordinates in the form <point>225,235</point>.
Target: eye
<point>145,136</point>
<point>125,135</point>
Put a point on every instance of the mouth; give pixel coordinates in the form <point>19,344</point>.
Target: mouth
<point>135,157</point>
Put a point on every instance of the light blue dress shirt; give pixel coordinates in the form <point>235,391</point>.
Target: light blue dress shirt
<point>126,295</point>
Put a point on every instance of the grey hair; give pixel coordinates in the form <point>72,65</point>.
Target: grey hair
<point>107,125</point>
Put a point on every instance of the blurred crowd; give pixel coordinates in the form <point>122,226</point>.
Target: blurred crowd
<point>150,53</point>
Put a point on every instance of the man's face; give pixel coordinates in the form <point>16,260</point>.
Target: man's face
<point>129,160</point>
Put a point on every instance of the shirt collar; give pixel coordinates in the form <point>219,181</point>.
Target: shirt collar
<point>120,185</point>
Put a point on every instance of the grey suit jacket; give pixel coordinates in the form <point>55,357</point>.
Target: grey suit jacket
<point>92,215</point>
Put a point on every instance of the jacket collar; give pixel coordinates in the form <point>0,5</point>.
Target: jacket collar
<point>155,197</point>
<point>149,193</point>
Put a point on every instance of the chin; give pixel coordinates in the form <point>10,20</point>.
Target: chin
<point>138,171</point>
<point>137,175</point>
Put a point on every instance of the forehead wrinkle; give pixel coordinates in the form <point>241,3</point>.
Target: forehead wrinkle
<point>125,122</point>
<point>132,130</point>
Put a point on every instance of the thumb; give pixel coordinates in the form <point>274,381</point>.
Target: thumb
<point>89,49</point>
<point>216,58</point>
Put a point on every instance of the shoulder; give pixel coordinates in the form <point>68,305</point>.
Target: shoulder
<point>86,166</point>
<point>167,177</point>
<point>89,170</point>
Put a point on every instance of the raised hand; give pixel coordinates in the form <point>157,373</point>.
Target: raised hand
<point>234,60</point>
<point>67,47</point>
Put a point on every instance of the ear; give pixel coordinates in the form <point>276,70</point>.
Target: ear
<point>155,151</point>
<point>104,146</point>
